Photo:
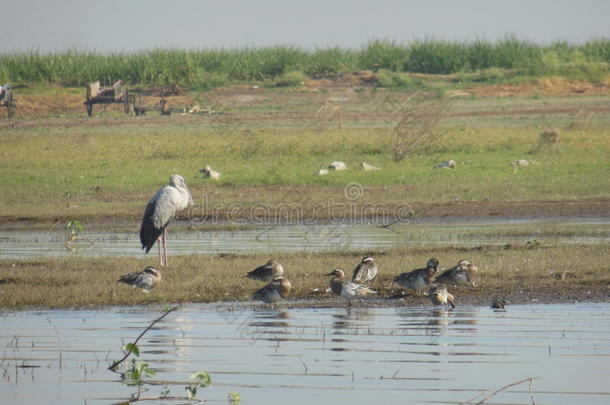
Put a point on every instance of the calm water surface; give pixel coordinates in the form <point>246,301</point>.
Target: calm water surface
<point>17,244</point>
<point>368,355</point>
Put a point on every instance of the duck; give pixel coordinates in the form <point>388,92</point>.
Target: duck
<point>463,273</point>
<point>347,289</point>
<point>499,303</point>
<point>276,290</point>
<point>266,272</point>
<point>418,279</point>
<point>146,279</point>
<point>440,296</point>
<point>365,271</point>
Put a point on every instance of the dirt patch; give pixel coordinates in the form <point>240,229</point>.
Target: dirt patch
<point>353,85</point>
<point>560,208</point>
<point>595,207</point>
<point>548,86</point>
<point>70,104</point>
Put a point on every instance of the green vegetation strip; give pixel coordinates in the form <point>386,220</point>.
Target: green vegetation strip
<point>286,65</point>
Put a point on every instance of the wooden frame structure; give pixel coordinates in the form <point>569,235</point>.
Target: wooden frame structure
<point>117,94</point>
<point>131,99</point>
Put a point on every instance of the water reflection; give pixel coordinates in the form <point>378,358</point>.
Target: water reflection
<point>15,244</point>
<point>276,355</point>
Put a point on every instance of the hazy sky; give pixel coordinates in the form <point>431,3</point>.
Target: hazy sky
<point>111,25</point>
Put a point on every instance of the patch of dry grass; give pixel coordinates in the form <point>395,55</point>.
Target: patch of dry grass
<point>548,274</point>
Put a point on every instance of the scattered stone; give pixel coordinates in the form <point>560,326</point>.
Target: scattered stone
<point>337,166</point>
<point>522,162</point>
<point>368,167</point>
<point>322,172</point>
<point>449,164</point>
<point>210,173</point>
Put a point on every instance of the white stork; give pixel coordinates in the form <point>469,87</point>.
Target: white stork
<point>161,208</point>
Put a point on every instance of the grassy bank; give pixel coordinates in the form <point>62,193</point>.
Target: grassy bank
<point>111,171</point>
<point>548,274</point>
<point>516,59</point>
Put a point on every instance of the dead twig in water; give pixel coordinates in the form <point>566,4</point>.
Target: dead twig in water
<point>389,225</point>
<point>58,340</point>
<point>531,392</point>
<point>116,363</point>
<point>529,379</point>
<point>304,365</point>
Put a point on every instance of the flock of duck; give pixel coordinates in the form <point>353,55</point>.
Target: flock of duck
<point>278,287</point>
<point>175,197</point>
<point>418,279</point>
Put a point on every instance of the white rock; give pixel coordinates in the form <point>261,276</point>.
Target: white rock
<point>449,164</point>
<point>337,166</point>
<point>368,167</point>
<point>521,162</point>
<point>212,174</point>
<point>322,172</point>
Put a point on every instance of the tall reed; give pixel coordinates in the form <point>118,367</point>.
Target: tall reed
<point>205,67</point>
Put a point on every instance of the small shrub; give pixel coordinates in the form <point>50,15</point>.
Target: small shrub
<point>547,139</point>
<point>417,126</point>
<point>386,78</point>
<point>290,79</point>
<point>532,243</point>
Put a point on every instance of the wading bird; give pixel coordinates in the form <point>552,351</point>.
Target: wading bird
<point>347,289</point>
<point>145,279</point>
<point>440,296</point>
<point>465,272</point>
<point>365,271</point>
<point>161,208</point>
<point>278,289</point>
<point>267,271</point>
<point>418,279</point>
<point>499,303</point>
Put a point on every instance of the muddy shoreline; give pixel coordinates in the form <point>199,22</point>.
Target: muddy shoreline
<point>594,207</point>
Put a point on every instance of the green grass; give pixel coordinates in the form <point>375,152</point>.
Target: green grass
<point>205,68</point>
<point>113,170</point>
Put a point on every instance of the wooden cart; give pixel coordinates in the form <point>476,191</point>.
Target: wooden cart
<point>130,98</point>
<point>117,94</point>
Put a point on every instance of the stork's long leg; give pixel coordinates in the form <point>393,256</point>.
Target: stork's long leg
<point>159,241</point>
<point>165,246</point>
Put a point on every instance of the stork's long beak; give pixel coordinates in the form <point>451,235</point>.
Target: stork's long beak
<point>332,273</point>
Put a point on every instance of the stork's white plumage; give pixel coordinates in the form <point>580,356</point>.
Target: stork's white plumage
<point>160,210</point>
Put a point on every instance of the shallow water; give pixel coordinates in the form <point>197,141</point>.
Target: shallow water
<point>368,355</point>
<point>17,244</point>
